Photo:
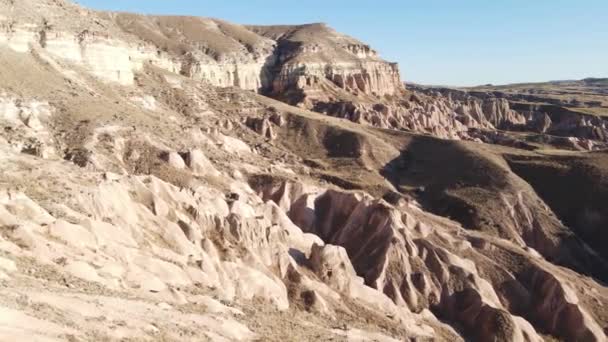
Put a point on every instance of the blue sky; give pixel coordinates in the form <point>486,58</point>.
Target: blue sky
<point>449,42</point>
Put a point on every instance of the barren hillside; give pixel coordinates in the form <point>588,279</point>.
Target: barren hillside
<point>181,178</point>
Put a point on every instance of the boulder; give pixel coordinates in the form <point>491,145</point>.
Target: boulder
<point>173,159</point>
<point>198,163</point>
<point>332,265</point>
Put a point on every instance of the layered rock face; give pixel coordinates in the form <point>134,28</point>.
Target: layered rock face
<point>311,66</point>
<point>182,205</point>
<point>118,45</point>
<point>307,55</point>
<point>222,54</point>
<point>209,50</point>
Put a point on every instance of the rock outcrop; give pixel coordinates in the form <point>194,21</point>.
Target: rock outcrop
<point>209,50</point>
<point>115,46</point>
<point>309,55</point>
<point>311,66</point>
<point>401,253</point>
<point>441,116</point>
<point>506,112</point>
<point>177,203</point>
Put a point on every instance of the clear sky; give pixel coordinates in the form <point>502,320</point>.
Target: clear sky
<point>447,42</point>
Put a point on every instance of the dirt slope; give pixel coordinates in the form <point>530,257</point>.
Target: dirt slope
<point>146,198</point>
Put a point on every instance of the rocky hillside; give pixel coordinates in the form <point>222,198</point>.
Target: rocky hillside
<point>583,95</point>
<point>572,113</point>
<point>115,46</point>
<point>180,178</point>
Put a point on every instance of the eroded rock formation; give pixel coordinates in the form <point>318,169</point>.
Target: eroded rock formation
<point>415,263</point>
<point>180,204</point>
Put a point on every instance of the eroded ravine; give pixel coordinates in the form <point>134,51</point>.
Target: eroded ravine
<point>146,192</point>
<point>422,265</point>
